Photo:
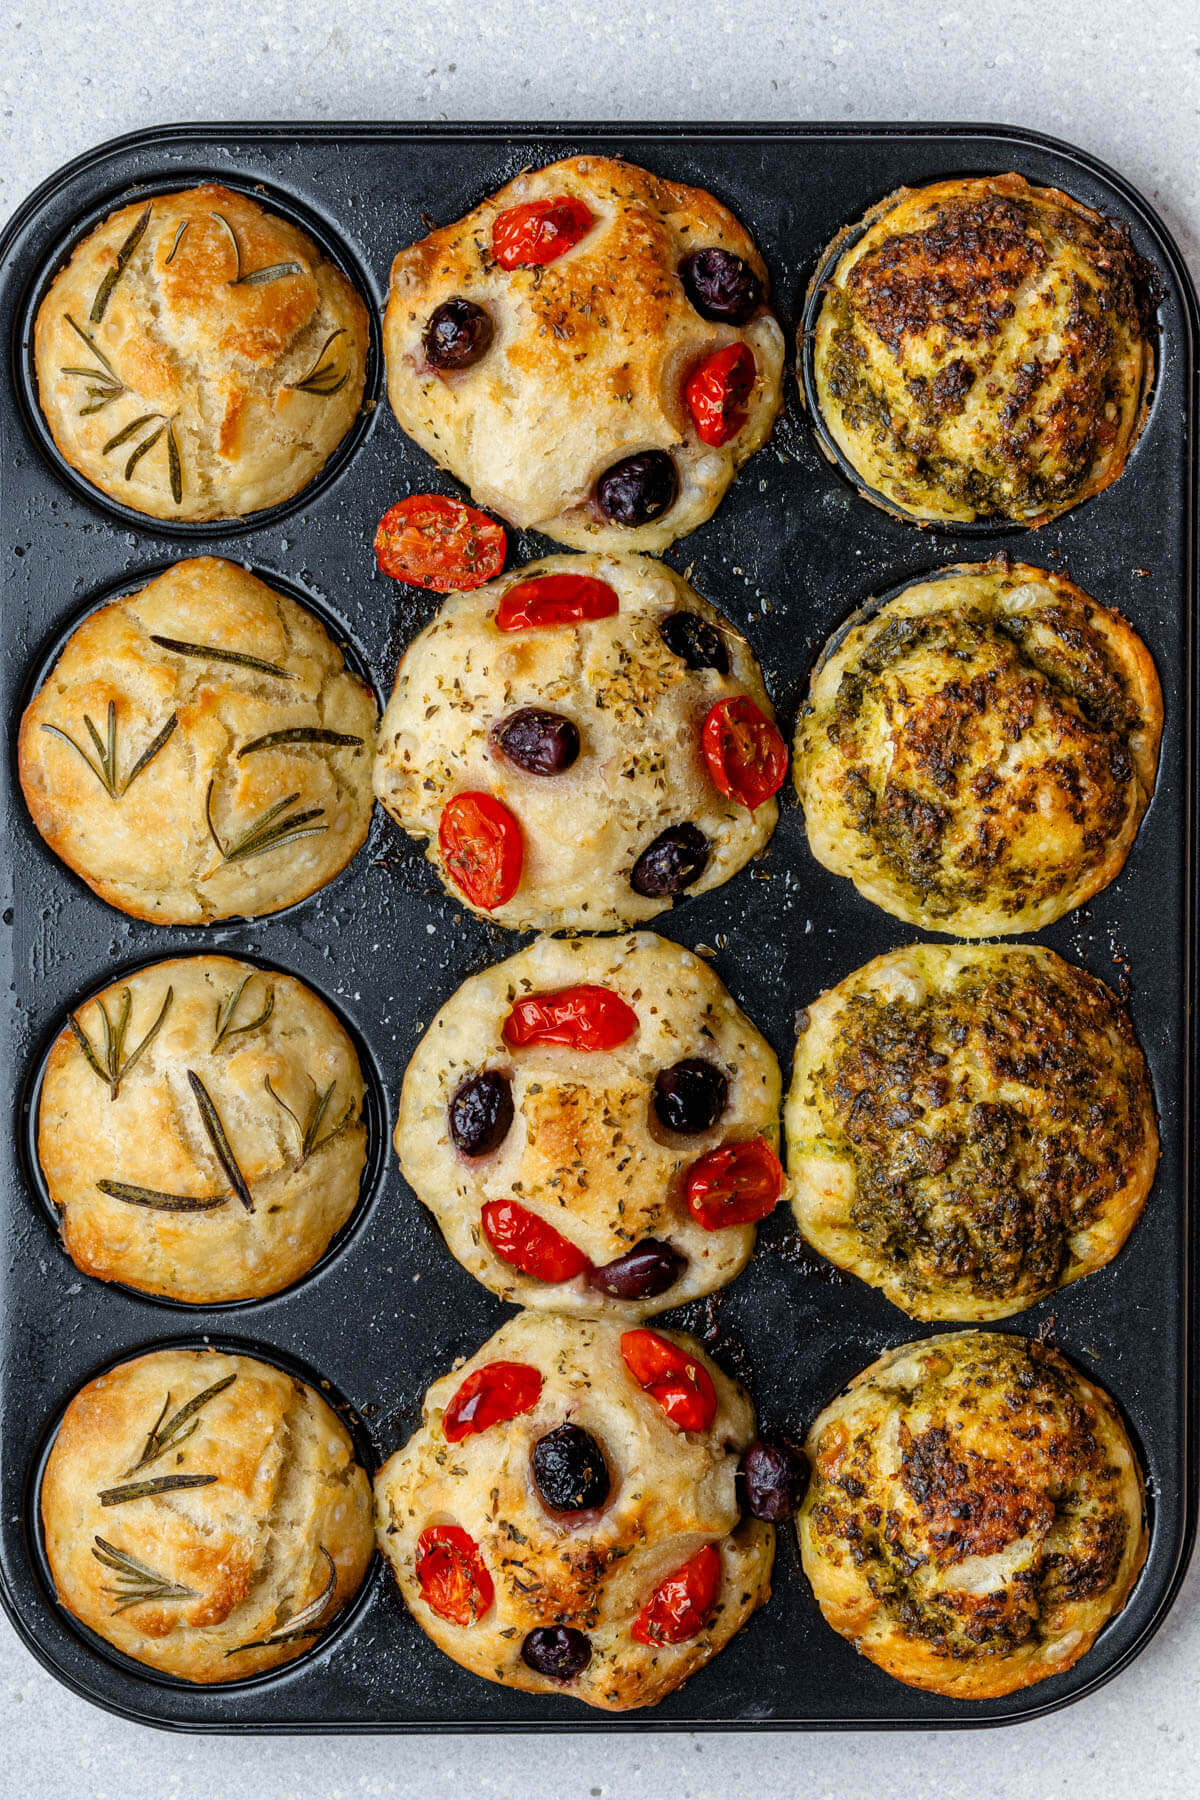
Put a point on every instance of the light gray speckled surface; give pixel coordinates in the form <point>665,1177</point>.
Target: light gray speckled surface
<point>1126,87</point>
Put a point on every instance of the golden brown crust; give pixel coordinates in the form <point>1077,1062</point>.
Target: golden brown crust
<point>188,725</point>
<point>977,754</point>
<point>981,351</point>
<point>239,389</point>
<point>671,1493</point>
<point>285,1081</point>
<point>975,1514</point>
<point>248,1555</point>
<point>589,356</point>
<point>969,1128</point>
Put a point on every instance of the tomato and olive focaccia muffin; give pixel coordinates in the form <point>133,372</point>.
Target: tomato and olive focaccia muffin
<point>198,357</point>
<point>204,1513</point>
<point>581,744</point>
<point>982,351</point>
<point>593,1123</point>
<point>567,1519</point>
<point>590,350</point>
<point>201,1130</point>
<point>974,1516</point>
<point>200,750</point>
<point>977,754</point>
<point>969,1128</point>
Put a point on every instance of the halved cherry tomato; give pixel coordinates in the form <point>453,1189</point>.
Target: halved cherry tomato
<point>681,1605</point>
<point>584,1018</point>
<point>523,1239</point>
<point>498,1391</point>
<point>482,848</point>
<point>735,1185</point>
<point>745,755</point>
<point>452,1576</point>
<point>716,391</point>
<point>555,600</point>
<point>681,1385</point>
<point>540,231</point>
<point>431,542</point>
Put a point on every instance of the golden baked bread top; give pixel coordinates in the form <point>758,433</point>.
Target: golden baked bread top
<point>204,1513</point>
<point>978,753</point>
<point>199,357</point>
<point>469,1515</point>
<point>578,363</point>
<point>969,1128</point>
<point>975,1514</point>
<point>200,749</point>
<point>200,1126</point>
<point>982,351</point>
<point>605,1147</point>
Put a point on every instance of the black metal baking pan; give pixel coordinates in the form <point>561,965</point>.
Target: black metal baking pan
<point>790,553</point>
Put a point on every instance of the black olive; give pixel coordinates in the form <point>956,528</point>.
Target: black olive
<point>457,335</point>
<point>569,1470</point>
<point>650,1268</point>
<point>677,857</point>
<point>557,1651</point>
<point>772,1480</point>
<point>638,489</point>
<point>690,1096</point>
<point>696,642</point>
<point>481,1112</point>
<point>721,286</point>
<point>541,743</point>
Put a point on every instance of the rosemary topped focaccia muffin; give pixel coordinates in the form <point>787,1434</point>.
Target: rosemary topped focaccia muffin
<point>204,1513</point>
<point>201,1130</point>
<point>199,357</point>
<point>589,350</point>
<point>200,749</point>
<point>982,351</point>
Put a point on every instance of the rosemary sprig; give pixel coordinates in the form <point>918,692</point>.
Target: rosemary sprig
<point>136,1580</point>
<point>222,1148</point>
<point>180,1426</point>
<point>268,831</point>
<point>254,277</point>
<point>112,1066</point>
<point>105,290</point>
<point>105,768</point>
<point>174,464</point>
<point>146,1490</point>
<point>160,1202</point>
<point>217,653</point>
<point>309,1129</point>
<point>106,385</point>
<point>302,1624</point>
<point>227,1009</point>
<point>299,734</point>
<point>322,378</point>
<point>170,256</point>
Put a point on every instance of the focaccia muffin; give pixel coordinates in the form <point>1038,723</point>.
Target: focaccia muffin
<point>200,750</point>
<point>977,754</point>
<point>200,1128</point>
<point>616,727</point>
<point>558,1525</point>
<point>593,1123</point>
<point>982,351</point>
<point>590,350</point>
<point>204,1513</point>
<point>969,1128</point>
<point>199,357</point>
<point>975,1514</point>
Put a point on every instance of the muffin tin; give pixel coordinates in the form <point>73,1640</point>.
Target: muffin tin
<point>791,552</point>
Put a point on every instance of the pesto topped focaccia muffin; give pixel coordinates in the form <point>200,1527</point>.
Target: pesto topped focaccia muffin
<point>982,351</point>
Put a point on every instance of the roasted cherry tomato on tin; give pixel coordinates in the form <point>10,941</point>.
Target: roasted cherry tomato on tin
<point>717,390</point>
<point>482,848</point>
<point>498,1391</point>
<point>681,1385</point>
<point>452,1576</point>
<point>521,1238</point>
<point>540,231</point>
<point>736,1185</point>
<point>744,754</point>
<point>583,1018</point>
<point>555,600</point>
<point>681,1605</point>
<point>431,542</point>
